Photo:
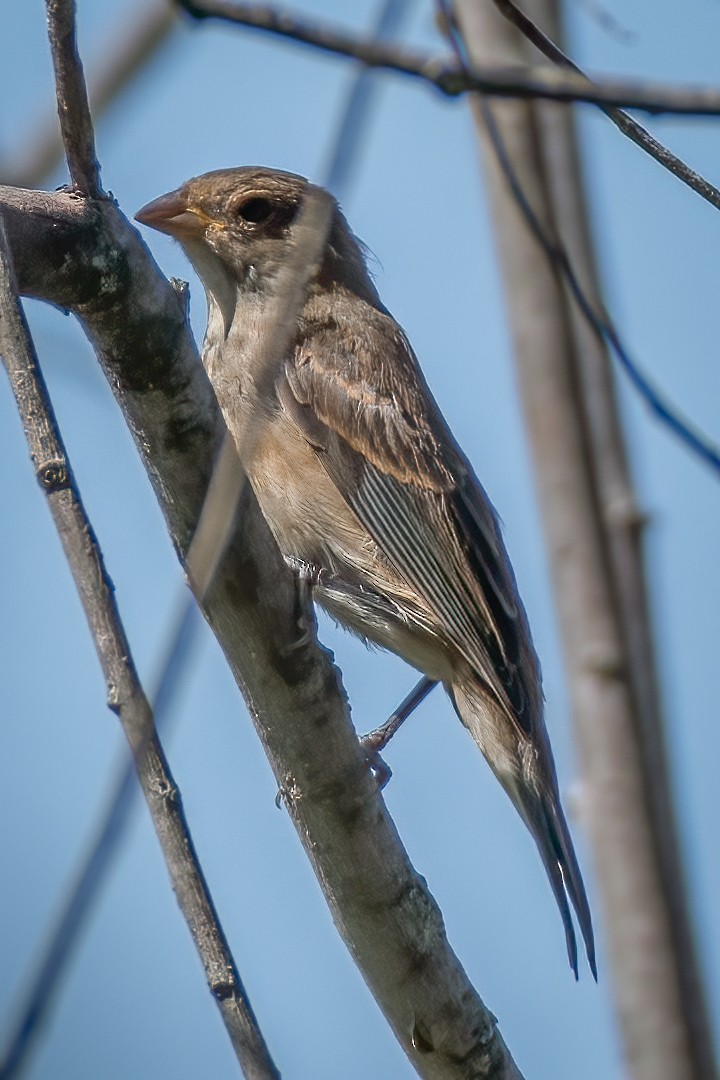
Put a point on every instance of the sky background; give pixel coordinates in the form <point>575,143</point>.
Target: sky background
<point>135,1002</point>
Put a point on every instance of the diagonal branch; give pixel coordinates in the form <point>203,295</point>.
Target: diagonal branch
<point>125,694</point>
<point>591,308</point>
<point>695,440</point>
<point>634,131</point>
<point>110,824</point>
<point>452,79</point>
<point>72,102</point>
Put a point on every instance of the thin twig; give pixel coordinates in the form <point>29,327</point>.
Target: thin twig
<point>450,78</point>
<point>118,63</point>
<point>125,694</point>
<point>629,127</point>
<point>72,102</point>
<point>71,916</point>
<point>659,405</point>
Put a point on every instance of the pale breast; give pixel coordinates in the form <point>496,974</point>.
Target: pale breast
<point>309,518</point>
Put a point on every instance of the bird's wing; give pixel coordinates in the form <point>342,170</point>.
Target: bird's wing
<point>384,443</point>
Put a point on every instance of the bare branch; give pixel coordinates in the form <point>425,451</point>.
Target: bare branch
<point>634,131</point>
<point>381,906</point>
<point>125,694</point>
<point>72,103</point>
<point>597,317</point>
<point>451,79</point>
<point>592,309</point>
<point>71,915</point>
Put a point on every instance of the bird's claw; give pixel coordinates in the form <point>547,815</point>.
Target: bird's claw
<point>307,576</point>
<point>371,746</point>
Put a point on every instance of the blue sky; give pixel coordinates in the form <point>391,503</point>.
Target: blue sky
<point>135,1002</point>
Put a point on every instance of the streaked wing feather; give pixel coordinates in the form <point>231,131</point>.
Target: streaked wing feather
<point>388,450</point>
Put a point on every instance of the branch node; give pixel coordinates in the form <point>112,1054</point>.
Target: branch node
<point>222,989</point>
<point>53,475</point>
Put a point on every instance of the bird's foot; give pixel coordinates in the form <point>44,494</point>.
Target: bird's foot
<point>307,576</point>
<point>376,741</point>
<point>371,746</point>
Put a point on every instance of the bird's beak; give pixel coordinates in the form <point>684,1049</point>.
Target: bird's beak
<point>173,214</point>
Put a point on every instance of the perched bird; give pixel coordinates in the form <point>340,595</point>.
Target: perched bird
<point>360,479</point>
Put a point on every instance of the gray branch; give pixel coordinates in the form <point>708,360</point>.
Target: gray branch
<point>452,79</point>
<point>73,109</point>
<point>85,256</point>
<point>629,127</point>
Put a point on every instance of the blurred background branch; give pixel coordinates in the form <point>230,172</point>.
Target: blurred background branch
<point>591,523</point>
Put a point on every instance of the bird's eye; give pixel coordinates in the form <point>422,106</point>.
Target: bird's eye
<point>256,210</point>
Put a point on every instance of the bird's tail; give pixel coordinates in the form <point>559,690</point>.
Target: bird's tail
<point>526,770</point>
<point>548,826</point>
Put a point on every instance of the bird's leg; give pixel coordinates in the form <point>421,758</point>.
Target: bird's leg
<point>377,740</point>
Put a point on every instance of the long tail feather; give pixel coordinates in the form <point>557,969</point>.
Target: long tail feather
<point>566,861</point>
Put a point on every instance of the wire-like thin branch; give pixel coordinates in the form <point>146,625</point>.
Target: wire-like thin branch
<point>71,917</point>
<point>125,694</point>
<point>629,127</point>
<point>450,78</point>
<point>119,61</point>
<point>72,102</point>
<point>659,405</point>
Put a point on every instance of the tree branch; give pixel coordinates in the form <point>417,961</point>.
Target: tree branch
<point>125,694</point>
<point>72,103</point>
<point>591,307</point>
<point>85,256</point>
<point>629,127</point>
<point>72,912</point>
<point>452,80</point>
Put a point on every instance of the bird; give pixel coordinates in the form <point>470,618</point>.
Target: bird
<point>363,484</point>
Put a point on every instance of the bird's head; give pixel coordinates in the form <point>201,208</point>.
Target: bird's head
<point>235,227</point>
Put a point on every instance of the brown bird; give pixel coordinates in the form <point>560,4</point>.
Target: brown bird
<point>362,482</point>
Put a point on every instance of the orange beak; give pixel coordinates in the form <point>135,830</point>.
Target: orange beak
<point>171,214</point>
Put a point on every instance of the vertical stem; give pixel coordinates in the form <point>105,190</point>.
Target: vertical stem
<point>72,100</point>
<point>600,658</point>
<point>623,522</point>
